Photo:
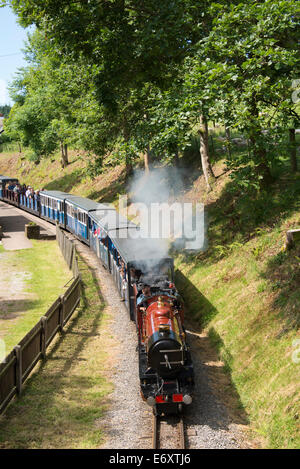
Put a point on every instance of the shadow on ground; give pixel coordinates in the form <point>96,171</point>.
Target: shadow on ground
<point>238,214</point>
<point>10,309</point>
<point>283,275</point>
<point>65,183</point>
<point>217,402</point>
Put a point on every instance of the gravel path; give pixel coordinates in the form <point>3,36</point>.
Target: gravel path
<point>13,221</point>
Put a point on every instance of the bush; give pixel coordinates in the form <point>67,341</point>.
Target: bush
<point>31,155</point>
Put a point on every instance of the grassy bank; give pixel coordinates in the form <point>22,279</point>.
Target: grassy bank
<point>64,399</point>
<point>33,279</point>
<point>245,293</point>
<point>49,175</point>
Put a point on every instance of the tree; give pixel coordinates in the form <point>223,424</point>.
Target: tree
<point>124,77</point>
<point>5,110</point>
<point>253,55</point>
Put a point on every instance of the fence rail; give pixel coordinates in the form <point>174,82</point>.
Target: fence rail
<point>18,364</point>
<point>68,250</point>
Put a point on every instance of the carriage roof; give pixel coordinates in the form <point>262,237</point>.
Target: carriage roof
<point>132,247</point>
<point>86,204</point>
<point>55,194</point>
<point>6,178</point>
<point>111,219</point>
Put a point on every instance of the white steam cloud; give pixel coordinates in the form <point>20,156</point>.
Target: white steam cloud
<point>163,219</point>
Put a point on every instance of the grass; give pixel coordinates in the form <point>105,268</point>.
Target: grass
<point>245,293</point>
<point>65,397</point>
<point>36,277</point>
<point>49,175</point>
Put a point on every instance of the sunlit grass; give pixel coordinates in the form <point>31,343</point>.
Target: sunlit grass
<point>46,274</point>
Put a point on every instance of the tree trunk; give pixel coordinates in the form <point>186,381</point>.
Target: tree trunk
<point>147,159</point>
<point>204,152</point>
<point>293,150</point>
<point>228,141</point>
<point>20,147</point>
<point>128,160</point>
<point>213,154</point>
<point>64,155</point>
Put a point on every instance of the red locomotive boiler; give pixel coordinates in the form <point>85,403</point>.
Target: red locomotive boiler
<point>166,370</point>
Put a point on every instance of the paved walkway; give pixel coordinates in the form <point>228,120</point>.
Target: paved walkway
<point>13,221</point>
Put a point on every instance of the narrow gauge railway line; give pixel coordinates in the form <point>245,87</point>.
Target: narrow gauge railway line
<point>168,432</point>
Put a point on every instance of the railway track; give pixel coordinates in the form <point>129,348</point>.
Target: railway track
<point>163,436</point>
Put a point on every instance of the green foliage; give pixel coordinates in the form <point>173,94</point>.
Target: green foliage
<point>5,110</point>
<point>116,78</point>
<point>30,155</point>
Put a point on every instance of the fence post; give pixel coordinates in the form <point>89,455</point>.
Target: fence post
<point>19,372</point>
<point>75,265</point>
<point>43,338</point>
<point>61,313</point>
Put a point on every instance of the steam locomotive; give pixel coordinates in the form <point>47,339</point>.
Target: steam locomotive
<point>166,369</point>
<point>144,277</point>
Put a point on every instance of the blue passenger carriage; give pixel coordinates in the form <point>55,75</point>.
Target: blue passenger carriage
<point>53,206</point>
<point>123,249</point>
<point>78,210</point>
<point>5,194</point>
<point>30,204</point>
<point>102,222</point>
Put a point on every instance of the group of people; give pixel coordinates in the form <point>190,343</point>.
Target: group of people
<point>19,189</point>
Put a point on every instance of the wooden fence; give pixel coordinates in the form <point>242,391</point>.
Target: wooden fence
<point>68,250</point>
<point>18,364</point>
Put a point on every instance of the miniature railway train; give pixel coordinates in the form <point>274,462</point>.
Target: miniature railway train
<point>145,281</point>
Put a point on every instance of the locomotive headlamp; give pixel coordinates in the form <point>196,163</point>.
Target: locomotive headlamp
<point>151,401</point>
<point>187,399</point>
